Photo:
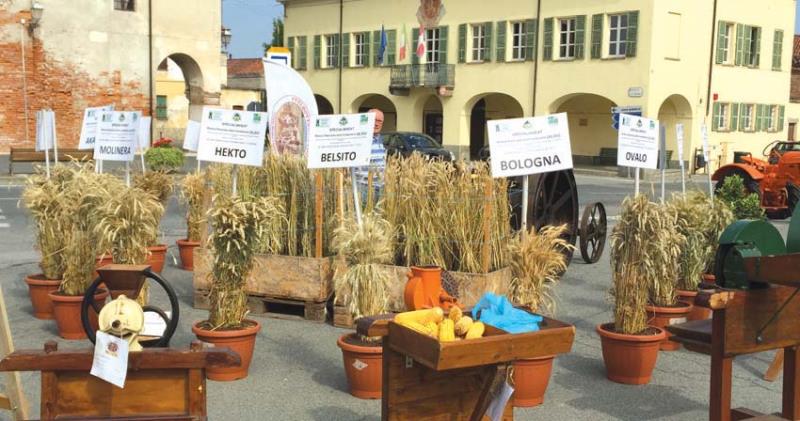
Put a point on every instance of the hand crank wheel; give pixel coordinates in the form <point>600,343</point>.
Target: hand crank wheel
<point>593,232</point>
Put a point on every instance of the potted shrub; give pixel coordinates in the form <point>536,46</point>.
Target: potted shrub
<point>537,261</point>
<point>41,197</point>
<point>630,346</point>
<point>163,156</point>
<point>159,184</point>
<point>193,193</point>
<point>363,248</point>
<point>237,224</point>
<point>743,203</point>
<point>80,199</point>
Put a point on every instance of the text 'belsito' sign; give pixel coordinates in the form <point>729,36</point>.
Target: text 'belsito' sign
<point>117,135</point>
<point>525,146</point>
<point>638,142</point>
<point>341,141</point>
<point>232,137</point>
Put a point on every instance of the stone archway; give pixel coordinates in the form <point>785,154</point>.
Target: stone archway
<point>367,102</point>
<point>676,109</point>
<point>484,107</point>
<point>323,105</point>
<point>590,124</point>
<point>179,95</point>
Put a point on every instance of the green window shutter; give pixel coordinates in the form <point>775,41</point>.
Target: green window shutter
<point>580,36</point>
<point>633,34</point>
<point>500,52</point>
<point>720,41</point>
<point>758,47</point>
<point>413,49</point>
<point>759,117</point>
<point>303,58</point>
<point>547,37</point>
<point>376,47</point>
<point>531,29</point>
<point>487,31</point>
<point>747,43</point>
<point>597,36</point>
<point>462,43</point>
<point>290,46</point>
<point>715,117</point>
<point>739,44</point>
<point>317,47</point>
<point>742,112</point>
<point>443,30</point>
<point>777,50</point>
<point>345,44</point>
<point>367,49</point>
<point>734,124</point>
<point>391,47</point>
<point>781,117</point>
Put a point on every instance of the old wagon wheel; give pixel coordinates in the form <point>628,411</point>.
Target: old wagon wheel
<point>593,232</point>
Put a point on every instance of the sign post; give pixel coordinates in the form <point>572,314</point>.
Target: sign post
<point>117,138</point>
<point>707,158</point>
<point>638,144</point>
<point>42,143</point>
<point>527,146</point>
<point>662,161</point>
<point>342,141</point>
<point>144,138</point>
<point>679,135</point>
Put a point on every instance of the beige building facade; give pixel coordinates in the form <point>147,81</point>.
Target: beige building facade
<point>724,63</point>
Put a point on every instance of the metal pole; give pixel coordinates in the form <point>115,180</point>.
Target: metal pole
<point>663,160</point>
<point>636,181</point>
<point>235,179</point>
<point>525,188</point>
<point>54,137</point>
<point>24,80</point>
<point>127,173</point>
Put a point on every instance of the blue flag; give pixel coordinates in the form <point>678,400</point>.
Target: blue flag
<point>382,49</point>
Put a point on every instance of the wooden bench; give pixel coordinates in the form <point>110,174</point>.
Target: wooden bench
<point>608,156</point>
<point>31,155</point>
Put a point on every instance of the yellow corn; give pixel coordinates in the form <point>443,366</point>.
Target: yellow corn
<point>446,331</point>
<point>463,325</point>
<point>475,331</point>
<point>420,316</point>
<point>455,314</point>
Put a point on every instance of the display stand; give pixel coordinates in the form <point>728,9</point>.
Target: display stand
<point>424,379</point>
<point>162,383</point>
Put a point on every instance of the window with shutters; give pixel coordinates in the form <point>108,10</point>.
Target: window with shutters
<point>433,50</point>
<point>566,45</point>
<point>331,51</point>
<point>301,61</point>
<point>360,41</point>
<point>722,118</point>
<point>725,43</point>
<point>125,5</point>
<point>747,117</point>
<point>771,118</point>
<point>518,40</point>
<point>479,49</point>
<point>617,35</point>
<point>777,50</point>
<point>754,37</point>
<point>161,107</point>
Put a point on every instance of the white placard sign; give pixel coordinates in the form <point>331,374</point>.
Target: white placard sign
<point>192,136</point>
<point>533,145</point>
<point>89,127</point>
<point>144,133</point>
<point>117,135</point>
<point>341,141</point>
<point>679,135</point>
<point>638,142</point>
<point>232,137</point>
<point>110,361</point>
<point>706,149</point>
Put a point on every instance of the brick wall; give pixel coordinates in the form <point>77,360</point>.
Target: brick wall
<point>794,95</point>
<point>57,85</point>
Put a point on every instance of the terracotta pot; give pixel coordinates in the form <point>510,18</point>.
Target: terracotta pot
<point>157,255</point>
<point>186,250</point>
<point>241,341</point>
<point>363,366</point>
<point>531,378</point>
<point>697,313</point>
<point>710,278</point>
<point>102,260</point>
<point>629,359</point>
<point>67,312</point>
<point>39,287</point>
<point>664,316</point>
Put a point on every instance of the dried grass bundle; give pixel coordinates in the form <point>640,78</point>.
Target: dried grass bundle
<point>128,224</point>
<point>537,261</point>
<point>193,193</point>
<point>237,224</point>
<point>157,183</point>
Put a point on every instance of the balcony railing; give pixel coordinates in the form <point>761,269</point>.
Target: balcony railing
<point>431,75</point>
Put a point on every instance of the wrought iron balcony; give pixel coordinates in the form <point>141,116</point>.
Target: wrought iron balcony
<point>432,75</point>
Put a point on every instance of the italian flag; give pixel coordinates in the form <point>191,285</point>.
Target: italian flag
<point>402,52</point>
<point>421,42</point>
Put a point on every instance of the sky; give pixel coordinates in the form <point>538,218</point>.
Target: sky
<point>250,22</point>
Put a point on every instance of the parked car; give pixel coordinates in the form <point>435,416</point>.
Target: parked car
<point>406,143</point>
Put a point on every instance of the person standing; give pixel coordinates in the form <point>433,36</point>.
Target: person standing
<point>377,162</point>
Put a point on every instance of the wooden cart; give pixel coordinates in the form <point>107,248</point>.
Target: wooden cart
<point>424,379</point>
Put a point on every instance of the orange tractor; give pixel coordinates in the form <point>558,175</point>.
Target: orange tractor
<point>776,180</point>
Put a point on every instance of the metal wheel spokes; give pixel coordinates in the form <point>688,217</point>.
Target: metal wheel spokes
<point>555,202</point>
<point>593,232</point>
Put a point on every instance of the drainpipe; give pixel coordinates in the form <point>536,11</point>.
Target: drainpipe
<point>536,59</point>
<point>711,57</point>
<point>341,53</point>
<point>150,59</point>
<point>24,79</point>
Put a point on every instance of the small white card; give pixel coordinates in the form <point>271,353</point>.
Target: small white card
<point>110,359</point>
<point>498,405</point>
<point>154,325</point>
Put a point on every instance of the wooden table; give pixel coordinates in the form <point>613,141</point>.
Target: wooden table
<point>162,383</point>
<point>424,379</point>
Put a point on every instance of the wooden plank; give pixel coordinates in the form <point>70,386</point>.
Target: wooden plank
<point>714,300</point>
<point>749,311</point>
<point>721,372</point>
<point>697,331</point>
<point>775,368</point>
<point>342,317</point>
<point>318,214</point>
<point>49,399</point>
<point>17,402</point>
<point>782,270</point>
<point>196,392</point>
<point>791,384</point>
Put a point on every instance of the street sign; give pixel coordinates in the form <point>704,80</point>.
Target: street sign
<point>531,145</point>
<point>341,141</point>
<point>634,110</point>
<point>232,137</point>
<point>638,142</point>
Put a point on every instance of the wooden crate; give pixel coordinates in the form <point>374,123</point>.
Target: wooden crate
<point>342,317</point>
<point>274,307</point>
<point>303,279</point>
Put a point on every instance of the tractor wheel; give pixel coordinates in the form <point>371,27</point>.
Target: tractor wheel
<point>750,185</point>
<point>793,193</point>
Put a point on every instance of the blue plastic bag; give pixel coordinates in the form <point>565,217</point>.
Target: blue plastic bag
<point>497,311</point>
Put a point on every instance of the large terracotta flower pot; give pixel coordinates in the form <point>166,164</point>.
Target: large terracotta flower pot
<point>697,313</point>
<point>157,255</point>
<point>531,378</point>
<point>186,250</point>
<point>710,278</point>
<point>67,312</point>
<point>102,260</point>
<point>664,316</point>
<point>629,359</point>
<point>241,341</point>
<point>39,287</point>
<point>363,365</point>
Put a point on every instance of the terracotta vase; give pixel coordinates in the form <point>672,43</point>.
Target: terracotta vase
<point>363,366</point>
<point>662,317</point>
<point>710,278</point>
<point>241,341</point>
<point>531,378</point>
<point>157,255</point>
<point>39,287</point>
<point>697,313</point>
<point>186,250</point>
<point>67,312</point>
<point>102,260</point>
<point>629,359</point>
